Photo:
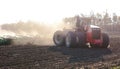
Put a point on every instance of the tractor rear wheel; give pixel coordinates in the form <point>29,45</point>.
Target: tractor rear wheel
<point>70,40</point>
<point>59,38</point>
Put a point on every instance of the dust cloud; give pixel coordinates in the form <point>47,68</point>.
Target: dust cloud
<point>30,32</point>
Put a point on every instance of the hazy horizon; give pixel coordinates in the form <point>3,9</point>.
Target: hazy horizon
<point>51,11</point>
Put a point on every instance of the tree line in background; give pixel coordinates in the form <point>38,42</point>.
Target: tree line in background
<point>107,22</point>
<point>97,19</point>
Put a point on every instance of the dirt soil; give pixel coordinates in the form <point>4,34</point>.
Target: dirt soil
<point>51,57</point>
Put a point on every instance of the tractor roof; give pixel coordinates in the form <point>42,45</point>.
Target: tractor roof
<point>93,26</point>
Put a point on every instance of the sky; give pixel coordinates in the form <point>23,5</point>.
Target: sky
<point>51,11</point>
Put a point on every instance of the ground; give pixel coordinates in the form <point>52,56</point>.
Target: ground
<point>52,57</point>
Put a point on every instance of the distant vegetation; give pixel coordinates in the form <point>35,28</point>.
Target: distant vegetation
<point>96,19</point>
<point>106,22</point>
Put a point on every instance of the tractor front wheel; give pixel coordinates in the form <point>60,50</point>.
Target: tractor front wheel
<point>81,39</point>
<point>105,41</point>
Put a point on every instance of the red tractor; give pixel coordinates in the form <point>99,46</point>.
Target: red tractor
<point>82,36</point>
